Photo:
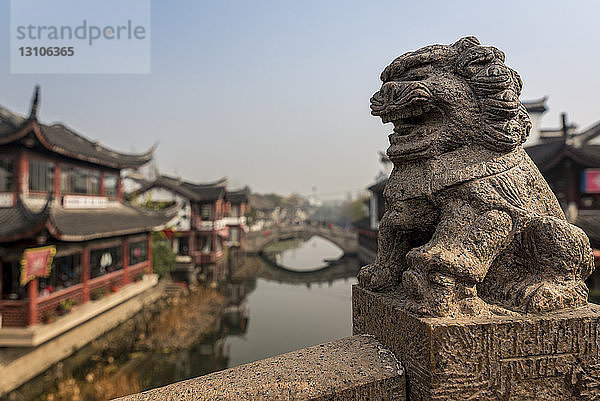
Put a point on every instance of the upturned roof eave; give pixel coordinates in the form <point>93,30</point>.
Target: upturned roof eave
<point>33,126</point>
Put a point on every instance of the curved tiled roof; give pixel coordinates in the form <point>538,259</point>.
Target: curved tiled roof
<point>588,154</point>
<point>63,140</point>
<point>9,122</point>
<point>237,196</point>
<point>19,222</point>
<point>546,155</point>
<point>590,223</point>
<point>378,186</point>
<point>536,106</point>
<point>195,192</point>
<point>66,141</point>
<point>86,224</point>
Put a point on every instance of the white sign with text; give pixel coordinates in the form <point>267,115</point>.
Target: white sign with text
<point>84,202</point>
<point>7,199</point>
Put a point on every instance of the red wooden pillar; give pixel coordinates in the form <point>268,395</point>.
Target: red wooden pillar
<point>32,307</point>
<point>22,173</point>
<point>125,261</point>
<point>85,272</point>
<point>150,259</point>
<point>120,189</point>
<point>102,183</point>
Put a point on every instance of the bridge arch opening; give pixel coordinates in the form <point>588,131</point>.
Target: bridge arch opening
<point>303,254</point>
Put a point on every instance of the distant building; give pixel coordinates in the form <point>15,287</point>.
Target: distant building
<point>265,212</point>
<point>236,218</point>
<point>536,110</point>
<point>65,233</point>
<point>209,219</point>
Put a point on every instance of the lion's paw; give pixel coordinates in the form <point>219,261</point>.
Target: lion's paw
<point>414,284</point>
<point>376,277</point>
<point>551,296</point>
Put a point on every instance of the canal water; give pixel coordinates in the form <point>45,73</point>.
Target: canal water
<point>306,310</point>
<point>296,295</point>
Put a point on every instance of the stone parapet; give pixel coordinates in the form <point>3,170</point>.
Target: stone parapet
<point>353,368</point>
<point>553,356</point>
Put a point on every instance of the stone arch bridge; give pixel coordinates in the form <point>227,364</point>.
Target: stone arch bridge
<point>347,241</point>
<point>261,267</point>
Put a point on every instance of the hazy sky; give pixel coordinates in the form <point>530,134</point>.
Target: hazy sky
<point>275,94</point>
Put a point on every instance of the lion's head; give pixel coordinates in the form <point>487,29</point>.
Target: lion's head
<point>443,97</point>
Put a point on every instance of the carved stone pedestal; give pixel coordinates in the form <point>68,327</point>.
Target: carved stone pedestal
<point>548,357</point>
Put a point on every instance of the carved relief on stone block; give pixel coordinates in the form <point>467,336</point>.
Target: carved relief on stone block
<point>548,357</point>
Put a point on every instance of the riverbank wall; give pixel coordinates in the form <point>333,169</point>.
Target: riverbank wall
<point>21,363</point>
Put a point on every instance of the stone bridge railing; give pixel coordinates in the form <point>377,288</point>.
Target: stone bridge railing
<point>353,368</point>
<point>347,241</point>
<point>454,309</point>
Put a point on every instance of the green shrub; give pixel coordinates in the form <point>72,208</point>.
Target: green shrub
<point>163,258</point>
<point>65,306</point>
<point>98,294</point>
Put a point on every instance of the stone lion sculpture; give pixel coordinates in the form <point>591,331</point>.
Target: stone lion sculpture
<point>470,223</point>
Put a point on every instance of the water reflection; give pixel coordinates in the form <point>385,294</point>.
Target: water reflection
<point>314,254</point>
<point>268,311</point>
<point>285,317</point>
<point>306,302</point>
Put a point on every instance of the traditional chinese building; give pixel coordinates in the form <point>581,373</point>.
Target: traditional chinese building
<point>570,162</point>
<point>368,227</point>
<point>236,217</point>
<point>66,235</point>
<point>209,219</point>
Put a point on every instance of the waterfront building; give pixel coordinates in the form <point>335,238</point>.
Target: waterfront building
<point>209,219</point>
<point>368,227</point>
<point>66,236</point>
<point>236,217</point>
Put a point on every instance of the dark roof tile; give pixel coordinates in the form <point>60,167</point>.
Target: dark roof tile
<point>590,223</point>
<point>63,140</point>
<point>378,186</point>
<point>19,222</point>
<point>544,153</point>
<point>536,106</point>
<point>237,196</point>
<point>189,190</point>
<point>67,141</point>
<point>86,224</point>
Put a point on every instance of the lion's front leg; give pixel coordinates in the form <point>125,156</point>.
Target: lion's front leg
<point>392,247</point>
<point>403,225</point>
<point>443,274</point>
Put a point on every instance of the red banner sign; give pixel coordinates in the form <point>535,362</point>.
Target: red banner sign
<point>168,233</point>
<point>590,182</point>
<point>36,262</point>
